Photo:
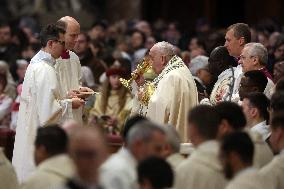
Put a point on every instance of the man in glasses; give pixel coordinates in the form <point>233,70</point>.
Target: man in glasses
<point>41,101</point>
<point>254,56</point>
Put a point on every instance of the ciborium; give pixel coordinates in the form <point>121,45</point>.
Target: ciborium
<point>143,66</point>
<point>147,91</point>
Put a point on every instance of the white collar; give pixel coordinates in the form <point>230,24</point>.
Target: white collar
<point>259,125</point>
<point>262,129</point>
<point>42,55</point>
<point>208,145</point>
<point>245,170</point>
<point>128,155</point>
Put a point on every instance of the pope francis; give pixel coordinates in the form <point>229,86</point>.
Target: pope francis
<point>173,92</point>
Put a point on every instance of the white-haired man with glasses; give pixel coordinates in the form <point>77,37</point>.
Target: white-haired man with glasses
<point>254,56</point>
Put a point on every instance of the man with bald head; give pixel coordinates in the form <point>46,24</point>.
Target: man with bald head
<point>171,94</point>
<point>68,65</point>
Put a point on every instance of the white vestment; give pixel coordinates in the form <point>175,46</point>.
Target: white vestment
<point>274,172</point>
<point>202,169</point>
<point>40,104</point>
<point>70,75</point>
<point>262,129</point>
<point>262,152</point>
<point>247,179</point>
<point>8,177</point>
<point>119,171</point>
<point>51,173</point>
<point>175,160</point>
<point>175,94</point>
<point>223,88</point>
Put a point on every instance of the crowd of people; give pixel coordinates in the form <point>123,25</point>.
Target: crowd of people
<point>219,100</point>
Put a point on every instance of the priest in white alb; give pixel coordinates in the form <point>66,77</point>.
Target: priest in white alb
<point>171,94</point>
<point>41,102</point>
<point>273,172</point>
<point>68,65</point>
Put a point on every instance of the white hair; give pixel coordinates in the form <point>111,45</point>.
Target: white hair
<point>143,131</point>
<point>173,138</point>
<point>165,48</point>
<point>198,63</point>
<point>22,62</point>
<point>259,51</point>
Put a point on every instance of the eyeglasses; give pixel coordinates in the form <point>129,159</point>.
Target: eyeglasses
<point>244,57</point>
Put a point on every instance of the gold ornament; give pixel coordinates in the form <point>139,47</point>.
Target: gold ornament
<point>148,90</point>
<point>142,67</point>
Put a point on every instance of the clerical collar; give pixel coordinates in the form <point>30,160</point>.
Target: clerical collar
<point>65,54</point>
<point>46,57</point>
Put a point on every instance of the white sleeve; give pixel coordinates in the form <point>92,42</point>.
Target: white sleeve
<point>50,109</point>
<point>110,179</point>
<point>66,105</point>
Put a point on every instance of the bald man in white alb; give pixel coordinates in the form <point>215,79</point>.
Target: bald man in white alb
<point>68,65</point>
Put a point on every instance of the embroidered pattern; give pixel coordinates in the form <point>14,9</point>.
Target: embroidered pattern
<point>175,63</point>
<point>223,90</point>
